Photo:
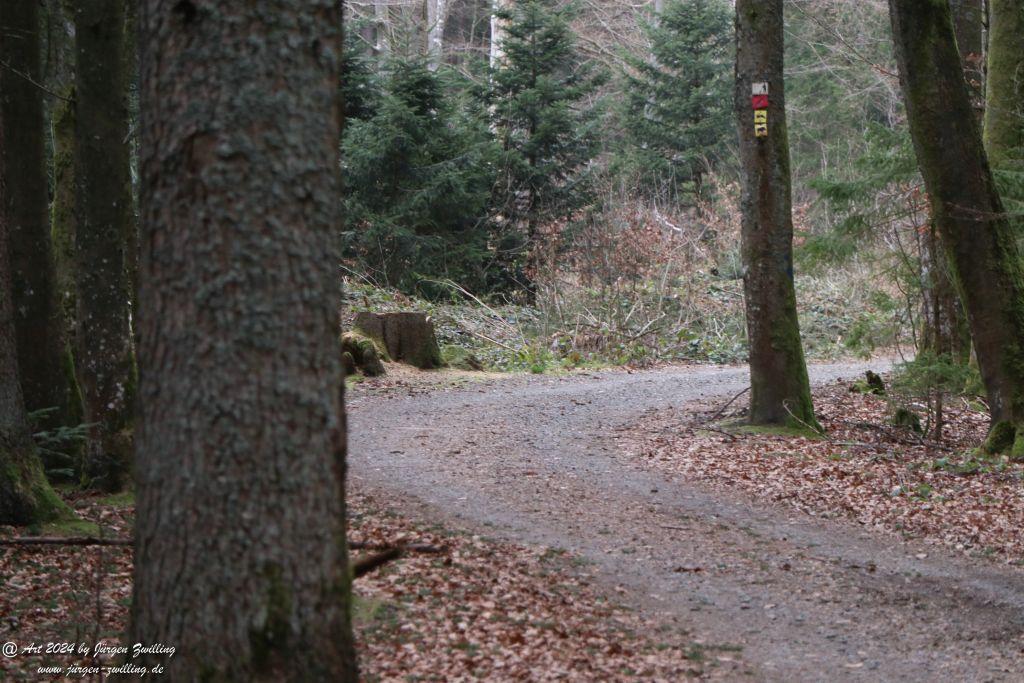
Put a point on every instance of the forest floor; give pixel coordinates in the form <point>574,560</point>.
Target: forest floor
<point>867,555</point>
<point>599,526</point>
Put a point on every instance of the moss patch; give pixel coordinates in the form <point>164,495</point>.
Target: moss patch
<point>460,358</point>
<point>119,500</point>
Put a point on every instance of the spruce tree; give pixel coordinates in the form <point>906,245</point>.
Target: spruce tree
<point>418,173</point>
<point>540,101</point>
<point>677,116</point>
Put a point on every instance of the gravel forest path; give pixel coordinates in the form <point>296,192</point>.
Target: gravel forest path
<point>534,459</point>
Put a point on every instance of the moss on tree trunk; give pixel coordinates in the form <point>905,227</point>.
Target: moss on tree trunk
<point>240,442</point>
<point>966,206</point>
<point>780,391</point>
<point>1004,106</point>
<point>25,495</point>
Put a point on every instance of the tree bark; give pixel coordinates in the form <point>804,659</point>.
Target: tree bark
<point>241,557</point>
<point>103,227</point>
<point>966,207</point>
<point>437,17</point>
<point>1004,108</point>
<point>969,26</point>
<point>41,340</point>
<point>25,495</point>
<point>779,388</point>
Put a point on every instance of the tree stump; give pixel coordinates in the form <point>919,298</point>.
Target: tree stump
<point>407,337</point>
<point>360,353</point>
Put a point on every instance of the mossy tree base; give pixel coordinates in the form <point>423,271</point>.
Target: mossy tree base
<point>1005,438</point>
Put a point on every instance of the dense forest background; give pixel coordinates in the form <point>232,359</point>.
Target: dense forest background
<point>619,224</point>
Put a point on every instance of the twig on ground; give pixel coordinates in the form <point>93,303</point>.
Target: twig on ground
<point>721,410</point>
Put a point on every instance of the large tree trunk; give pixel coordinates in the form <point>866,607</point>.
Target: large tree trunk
<point>240,446</point>
<point>965,206</point>
<point>103,227</point>
<point>780,392</point>
<point>42,351</point>
<point>25,495</point>
<point>1004,107</point>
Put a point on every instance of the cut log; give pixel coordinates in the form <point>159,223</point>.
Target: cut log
<point>407,337</point>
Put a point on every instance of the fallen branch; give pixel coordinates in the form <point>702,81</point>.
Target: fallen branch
<point>61,540</point>
<point>366,565</point>
<point>411,547</point>
<point>721,410</point>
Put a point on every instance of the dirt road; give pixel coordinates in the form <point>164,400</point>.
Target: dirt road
<point>533,459</point>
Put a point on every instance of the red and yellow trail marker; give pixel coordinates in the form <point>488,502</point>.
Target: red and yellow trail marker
<point>759,102</point>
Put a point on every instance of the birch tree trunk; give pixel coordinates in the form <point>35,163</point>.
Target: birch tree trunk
<point>104,226</point>
<point>437,17</point>
<point>966,208</point>
<point>241,556</point>
<point>779,387</point>
<point>497,31</point>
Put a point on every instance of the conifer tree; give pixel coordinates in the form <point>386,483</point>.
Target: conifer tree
<point>418,172</point>
<point>677,104</point>
<point>539,98</point>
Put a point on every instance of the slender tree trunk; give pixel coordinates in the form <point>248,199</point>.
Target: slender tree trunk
<point>1004,108</point>
<point>25,495</point>
<point>382,21</point>
<point>103,225</point>
<point>240,447</point>
<point>437,17</point>
<point>42,352</point>
<point>969,26</point>
<point>966,207</point>
<point>779,388</point>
